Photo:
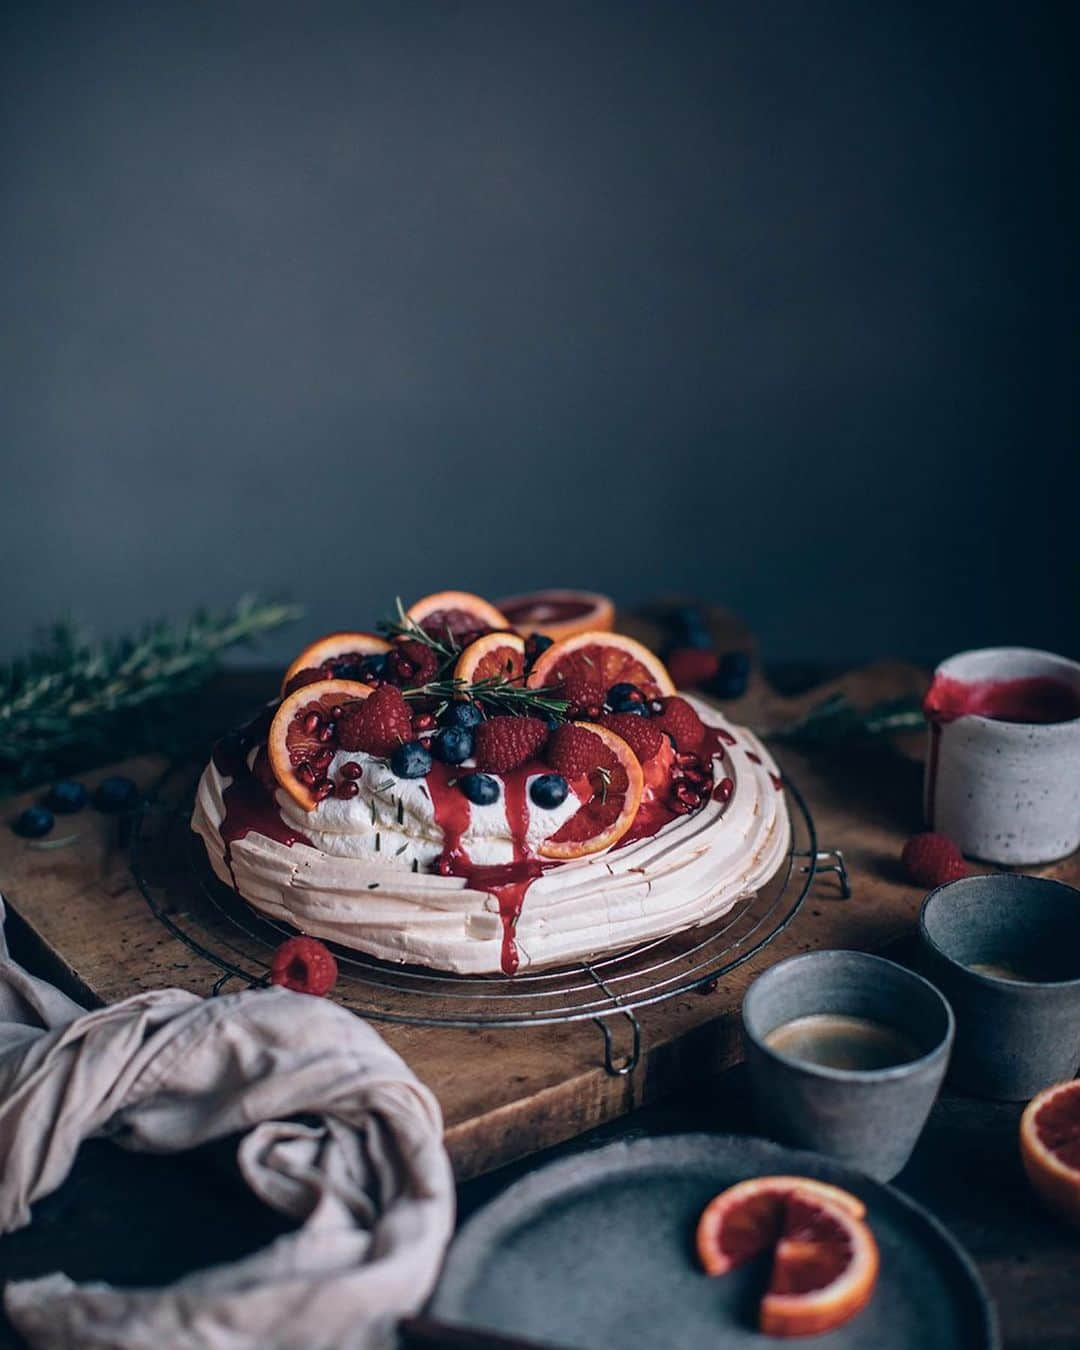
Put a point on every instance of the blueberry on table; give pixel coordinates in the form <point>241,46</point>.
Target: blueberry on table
<point>735,663</point>
<point>410,760</point>
<point>453,745</point>
<point>116,793</point>
<point>463,714</point>
<point>549,790</point>
<point>480,788</point>
<point>34,822</point>
<point>66,797</point>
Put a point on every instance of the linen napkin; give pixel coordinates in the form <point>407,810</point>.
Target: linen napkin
<point>165,1071</point>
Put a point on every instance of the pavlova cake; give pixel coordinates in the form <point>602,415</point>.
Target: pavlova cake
<point>462,795</point>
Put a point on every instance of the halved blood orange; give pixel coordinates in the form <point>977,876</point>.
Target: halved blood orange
<point>601,821</point>
<point>302,738</point>
<point>558,614</point>
<point>491,657</point>
<point>457,616</point>
<point>601,659</point>
<point>747,1219</point>
<point>1050,1147</point>
<point>337,656</point>
<point>824,1269</point>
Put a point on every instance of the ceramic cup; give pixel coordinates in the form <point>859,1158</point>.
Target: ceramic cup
<point>1014,1035</point>
<point>1005,791</point>
<point>868,1117</point>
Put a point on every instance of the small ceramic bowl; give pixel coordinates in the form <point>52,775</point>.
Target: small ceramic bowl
<point>869,1117</point>
<point>1006,791</point>
<point>1005,951</point>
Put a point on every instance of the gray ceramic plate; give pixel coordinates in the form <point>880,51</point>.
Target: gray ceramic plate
<point>596,1252</point>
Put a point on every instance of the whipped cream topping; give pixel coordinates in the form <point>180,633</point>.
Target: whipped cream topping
<point>336,882</point>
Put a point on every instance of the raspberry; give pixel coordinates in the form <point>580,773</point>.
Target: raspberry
<point>932,860</point>
<point>641,735</point>
<point>691,667</point>
<point>502,743</point>
<point>586,697</point>
<point>379,724</point>
<point>304,964</point>
<point>680,722</point>
<point>573,751</point>
<point>411,663</point>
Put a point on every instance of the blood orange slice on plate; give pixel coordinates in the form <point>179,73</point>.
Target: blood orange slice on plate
<point>338,656</point>
<point>303,737</point>
<point>599,660</point>
<point>747,1219</point>
<point>603,819</point>
<point>456,616</point>
<point>1050,1147</point>
<point>824,1268</point>
<point>494,656</point>
<point>560,613</point>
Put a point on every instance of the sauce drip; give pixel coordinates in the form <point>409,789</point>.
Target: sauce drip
<point>249,801</point>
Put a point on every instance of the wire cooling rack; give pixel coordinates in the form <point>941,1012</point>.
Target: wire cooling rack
<point>172,872</point>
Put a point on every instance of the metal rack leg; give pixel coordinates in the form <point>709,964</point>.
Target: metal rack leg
<point>630,1061</point>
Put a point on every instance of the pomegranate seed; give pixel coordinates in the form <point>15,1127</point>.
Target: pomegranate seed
<point>687,761</point>
<point>699,777</point>
<point>406,670</point>
<point>326,734</point>
<point>655,707</point>
<point>347,789</point>
<point>425,741</point>
<point>724,789</point>
<point>322,758</point>
<point>312,722</point>
<point>350,769</point>
<point>306,774</point>
<point>688,795</point>
<point>424,722</point>
<point>322,789</point>
<point>680,808</point>
<point>337,711</point>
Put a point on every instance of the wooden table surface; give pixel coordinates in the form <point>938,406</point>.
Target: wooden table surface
<point>965,1169</point>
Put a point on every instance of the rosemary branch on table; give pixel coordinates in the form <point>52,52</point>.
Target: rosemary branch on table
<point>837,719</point>
<point>73,700</point>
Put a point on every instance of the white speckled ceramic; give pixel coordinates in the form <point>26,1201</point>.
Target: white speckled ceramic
<point>1006,792</point>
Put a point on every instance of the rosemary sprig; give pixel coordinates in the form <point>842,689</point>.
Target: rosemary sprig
<point>72,700</point>
<point>837,719</point>
<point>404,627</point>
<point>497,694</point>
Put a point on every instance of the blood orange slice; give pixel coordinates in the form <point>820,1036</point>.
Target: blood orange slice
<point>456,616</point>
<point>747,1219</point>
<point>494,656</point>
<point>338,656</point>
<point>303,737</point>
<point>558,614</point>
<point>824,1268</point>
<point>601,660</point>
<point>1050,1147</point>
<point>616,785</point>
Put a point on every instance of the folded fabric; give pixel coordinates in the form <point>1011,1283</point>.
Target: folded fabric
<point>369,1182</point>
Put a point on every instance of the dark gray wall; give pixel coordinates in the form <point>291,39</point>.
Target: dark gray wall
<point>771,302</point>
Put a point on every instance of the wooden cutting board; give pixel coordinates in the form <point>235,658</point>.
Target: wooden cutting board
<point>78,915</point>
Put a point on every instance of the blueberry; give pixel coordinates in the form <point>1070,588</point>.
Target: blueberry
<point>549,790</point>
<point>725,685</point>
<point>625,697</point>
<point>535,643</point>
<point>116,794</point>
<point>66,796</point>
<point>635,710</point>
<point>410,760</point>
<point>480,788</point>
<point>453,744</point>
<point>34,822</point>
<point>735,663</point>
<point>463,715</point>
<point>370,669</point>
